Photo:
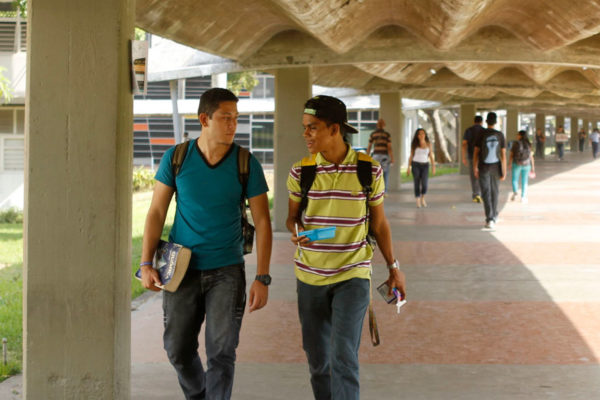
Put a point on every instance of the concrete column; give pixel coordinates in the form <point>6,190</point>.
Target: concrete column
<point>467,115</point>
<point>574,134</point>
<point>293,86</point>
<point>390,109</point>
<point>177,118</point>
<point>540,123</point>
<point>77,229</point>
<point>512,124</point>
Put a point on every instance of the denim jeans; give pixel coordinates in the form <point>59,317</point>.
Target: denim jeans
<point>219,296</point>
<point>540,150</point>
<point>520,171</point>
<point>560,149</point>
<point>488,180</point>
<point>595,149</point>
<point>332,318</point>
<point>474,181</point>
<point>420,173</point>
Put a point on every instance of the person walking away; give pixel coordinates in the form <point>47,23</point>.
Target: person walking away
<point>468,144</point>
<point>540,144</point>
<point>581,136</point>
<point>595,142</point>
<point>489,166</point>
<point>333,275</point>
<point>522,163</point>
<point>208,222</point>
<point>561,138</point>
<point>381,143</point>
<point>421,153</point>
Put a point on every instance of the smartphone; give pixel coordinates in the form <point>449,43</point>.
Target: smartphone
<point>383,291</point>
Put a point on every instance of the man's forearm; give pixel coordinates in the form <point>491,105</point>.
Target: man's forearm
<point>264,244</point>
<point>152,232</point>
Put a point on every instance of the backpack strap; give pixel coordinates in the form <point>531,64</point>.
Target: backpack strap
<point>307,177</point>
<point>179,155</point>
<point>243,163</point>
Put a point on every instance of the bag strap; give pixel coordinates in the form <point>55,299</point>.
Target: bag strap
<point>373,330</point>
<point>179,155</point>
<point>307,177</point>
<point>243,163</point>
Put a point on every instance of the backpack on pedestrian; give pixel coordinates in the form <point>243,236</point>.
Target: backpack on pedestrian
<point>522,152</point>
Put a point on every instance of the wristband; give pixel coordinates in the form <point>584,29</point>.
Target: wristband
<point>395,265</point>
<point>142,264</point>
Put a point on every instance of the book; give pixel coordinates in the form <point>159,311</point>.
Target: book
<point>171,260</point>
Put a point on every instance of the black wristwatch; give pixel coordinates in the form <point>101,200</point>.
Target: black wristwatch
<point>264,279</point>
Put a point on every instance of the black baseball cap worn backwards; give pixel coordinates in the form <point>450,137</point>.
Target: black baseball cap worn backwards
<point>329,108</point>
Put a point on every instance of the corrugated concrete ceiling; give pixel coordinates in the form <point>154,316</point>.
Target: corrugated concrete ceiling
<point>531,54</point>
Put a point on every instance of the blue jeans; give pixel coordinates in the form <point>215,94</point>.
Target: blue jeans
<point>488,181</point>
<point>520,171</point>
<point>219,296</point>
<point>474,181</point>
<point>560,149</point>
<point>420,173</point>
<point>332,317</point>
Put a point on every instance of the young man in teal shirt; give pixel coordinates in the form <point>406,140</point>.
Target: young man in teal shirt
<point>208,221</point>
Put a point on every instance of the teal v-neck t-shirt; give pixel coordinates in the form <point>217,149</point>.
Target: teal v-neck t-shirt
<point>207,217</point>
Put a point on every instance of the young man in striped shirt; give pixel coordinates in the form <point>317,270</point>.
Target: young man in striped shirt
<point>333,276</point>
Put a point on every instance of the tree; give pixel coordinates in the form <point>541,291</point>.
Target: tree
<point>21,7</point>
<point>5,89</point>
<point>238,81</point>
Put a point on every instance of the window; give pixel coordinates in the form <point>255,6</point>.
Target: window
<point>13,155</point>
<point>12,139</point>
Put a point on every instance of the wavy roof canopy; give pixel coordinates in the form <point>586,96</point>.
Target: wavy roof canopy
<point>540,56</point>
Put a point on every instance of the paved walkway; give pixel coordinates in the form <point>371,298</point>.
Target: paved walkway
<point>510,314</point>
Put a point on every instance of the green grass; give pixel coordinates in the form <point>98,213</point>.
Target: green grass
<point>11,315</point>
<point>11,278</point>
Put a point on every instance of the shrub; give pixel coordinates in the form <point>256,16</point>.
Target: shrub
<point>143,179</point>
<point>11,216</point>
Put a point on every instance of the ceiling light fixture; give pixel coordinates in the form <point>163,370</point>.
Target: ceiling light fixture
<point>433,71</point>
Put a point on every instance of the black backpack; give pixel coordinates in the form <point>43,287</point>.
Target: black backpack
<point>243,162</point>
<point>522,152</point>
<point>365,177</point>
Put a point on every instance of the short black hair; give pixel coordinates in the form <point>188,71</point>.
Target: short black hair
<point>212,98</point>
<point>478,119</point>
<point>491,118</point>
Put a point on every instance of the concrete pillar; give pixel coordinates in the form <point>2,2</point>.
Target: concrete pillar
<point>293,86</point>
<point>540,123</point>
<point>390,109</point>
<point>77,228</point>
<point>512,124</point>
<point>174,90</point>
<point>467,115</point>
<point>574,134</point>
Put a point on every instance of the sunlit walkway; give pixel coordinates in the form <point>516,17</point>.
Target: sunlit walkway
<point>510,314</point>
<point>504,315</point>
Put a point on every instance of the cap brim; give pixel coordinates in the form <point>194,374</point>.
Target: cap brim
<point>349,128</point>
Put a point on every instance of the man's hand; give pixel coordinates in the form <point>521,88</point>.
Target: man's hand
<point>259,293</point>
<point>397,280</point>
<point>476,172</point>
<point>465,162</point>
<point>150,278</point>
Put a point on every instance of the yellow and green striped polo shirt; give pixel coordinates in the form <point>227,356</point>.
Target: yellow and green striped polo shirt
<point>336,199</point>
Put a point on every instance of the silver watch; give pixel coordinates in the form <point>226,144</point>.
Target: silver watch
<point>394,265</point>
